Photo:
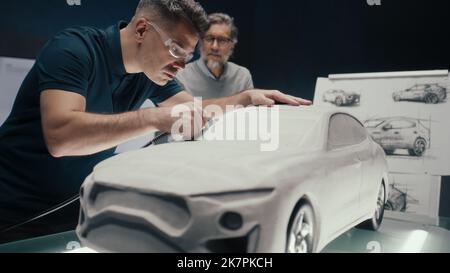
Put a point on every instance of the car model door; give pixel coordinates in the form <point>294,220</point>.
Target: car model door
<point>340,188</point>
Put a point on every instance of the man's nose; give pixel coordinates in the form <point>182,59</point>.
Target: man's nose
<point>215,44</point>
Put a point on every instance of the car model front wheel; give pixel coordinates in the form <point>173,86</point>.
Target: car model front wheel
<point>301,231</point>
<point>420,146</point>
<point>375,222</point>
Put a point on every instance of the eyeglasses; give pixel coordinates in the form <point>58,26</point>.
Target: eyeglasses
<point>174,49</point>
<point>221,41</point>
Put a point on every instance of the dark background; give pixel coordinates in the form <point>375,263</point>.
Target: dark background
<point>286,44</point>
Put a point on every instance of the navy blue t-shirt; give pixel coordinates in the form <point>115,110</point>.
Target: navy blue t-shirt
<point>83,60</point>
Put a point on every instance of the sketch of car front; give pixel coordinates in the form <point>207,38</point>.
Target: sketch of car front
<point>400,133</point>
<point>428,93</point>
<point>341,98</point>
<point>327,176</point>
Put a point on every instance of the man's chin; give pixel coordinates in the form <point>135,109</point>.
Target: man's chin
<point>213,64</point>
<point>161,81</point>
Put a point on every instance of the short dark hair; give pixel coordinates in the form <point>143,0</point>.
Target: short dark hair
<point>222,18</point>
<point>172,11</point>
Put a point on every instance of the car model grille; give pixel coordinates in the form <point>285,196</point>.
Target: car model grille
<point>172,210</point>
<point>124,237</point>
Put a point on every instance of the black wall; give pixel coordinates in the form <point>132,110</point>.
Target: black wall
<point>445,197</point>
<point>286,44</point>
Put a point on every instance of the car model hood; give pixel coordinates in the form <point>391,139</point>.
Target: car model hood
<point>197,168</point>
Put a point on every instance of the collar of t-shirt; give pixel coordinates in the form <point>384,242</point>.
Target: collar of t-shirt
<point>115,49</point>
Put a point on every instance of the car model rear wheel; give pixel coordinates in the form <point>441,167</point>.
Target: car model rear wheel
<point>389,152</point>
<point>431,99</point>
<point>375,222</point>
<point>396,98</point>
<point>301,231</point>
<point>420,146</point>
<point>339,101</point>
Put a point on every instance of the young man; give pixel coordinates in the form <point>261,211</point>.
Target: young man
<point>213,76</point>
<point>81,100</point>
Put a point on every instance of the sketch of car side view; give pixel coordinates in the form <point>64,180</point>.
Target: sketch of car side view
<point>428,93</point>
<point>326,177</point>
<point>400,133</point>
<point>341,98</point>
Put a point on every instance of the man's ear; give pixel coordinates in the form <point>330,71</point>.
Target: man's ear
<point>140,30</point>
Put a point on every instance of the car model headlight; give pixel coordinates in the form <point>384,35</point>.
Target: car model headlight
<point>236,196</point>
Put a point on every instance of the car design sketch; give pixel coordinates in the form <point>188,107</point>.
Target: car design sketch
<point>400,133</point>
<point>341,98</point>
<point>327,177</point>
<point>428,93</point>
<point>399,199</point>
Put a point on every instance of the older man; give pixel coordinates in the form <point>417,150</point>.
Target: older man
<point>213,76</point>
<point>81,100</point>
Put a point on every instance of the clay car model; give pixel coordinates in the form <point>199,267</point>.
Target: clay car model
<point>400,133</point>
<point>428,93</point>
<point>341,98</point>
<point>326,177</point>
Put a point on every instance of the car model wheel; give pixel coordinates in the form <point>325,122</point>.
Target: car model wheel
<point>397,98</point>
<point>389,152</point>
<point>420,147</point>
<point>339,101</point>
<point>375,222</point>
<point>301,231</point>
<point>431,99</point>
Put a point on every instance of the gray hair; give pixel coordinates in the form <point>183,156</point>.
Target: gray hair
<point>172,11</point>
<point>222,18</point>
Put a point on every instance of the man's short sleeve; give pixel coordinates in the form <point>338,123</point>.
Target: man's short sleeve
<point>64,64</point>
<point>249,80</point>
<point>164,93</point>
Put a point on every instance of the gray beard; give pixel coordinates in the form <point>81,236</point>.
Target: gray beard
<point>213,65</point>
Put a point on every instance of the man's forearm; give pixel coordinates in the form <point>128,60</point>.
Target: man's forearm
<point>84,133</point>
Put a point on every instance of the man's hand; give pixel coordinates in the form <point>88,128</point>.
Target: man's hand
<point>271,97</point>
